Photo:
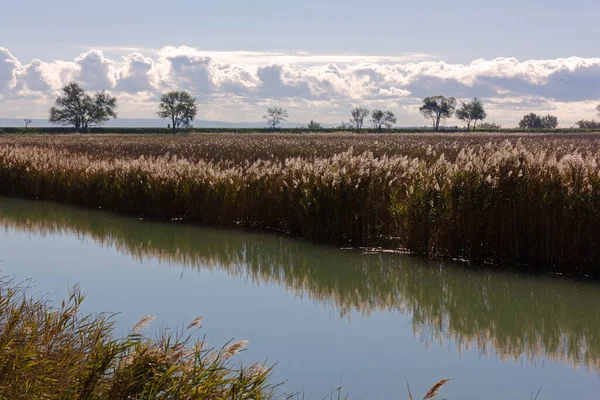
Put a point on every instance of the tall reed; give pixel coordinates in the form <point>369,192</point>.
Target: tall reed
<point>529,202</point>
<point>49,352</point>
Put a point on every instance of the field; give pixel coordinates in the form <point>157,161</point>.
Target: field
<point>528,201</point>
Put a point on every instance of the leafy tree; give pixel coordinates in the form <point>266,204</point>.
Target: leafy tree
<point>471,112</point>
<point>27,122</point>
<point>77,108</point>
<point>380,118</point>
<point>549,122</point>
<point>530,121</point>
<point>314,125</point>
<point>180,107</point>
<point>358,116</point>
<point>438,108</point>
<point>276,116</point>
<point>533,121</point>
<point>588,124</point>
<point>464,112</point>
<point>598,109</point>
<point>478,112</point>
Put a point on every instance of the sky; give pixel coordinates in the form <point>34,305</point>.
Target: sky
<point>318,59</point>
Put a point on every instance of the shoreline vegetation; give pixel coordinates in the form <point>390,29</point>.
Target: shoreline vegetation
<point>530,201</point>
<point>58,352</point>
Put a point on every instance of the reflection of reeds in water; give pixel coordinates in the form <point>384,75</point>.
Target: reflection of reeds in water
<point>513,317</point>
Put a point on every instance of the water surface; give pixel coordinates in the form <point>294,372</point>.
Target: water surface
<point>368,321</point>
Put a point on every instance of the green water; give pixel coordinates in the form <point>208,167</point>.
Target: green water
<point>367,320</point>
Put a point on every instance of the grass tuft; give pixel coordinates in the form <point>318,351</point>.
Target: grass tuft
<point>49,352</point>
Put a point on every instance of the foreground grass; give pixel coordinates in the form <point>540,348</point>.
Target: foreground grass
<point>527,201</point>
<point>58,353</point>
<point>49,352</point>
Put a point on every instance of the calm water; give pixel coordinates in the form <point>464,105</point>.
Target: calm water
<point>326,316</point>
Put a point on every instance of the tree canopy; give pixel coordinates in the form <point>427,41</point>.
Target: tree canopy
<point>438,108</point>
<point>78,109</point>
<point>471,112</point>
<point>358,116</point>
<point>588,124</point>
<point>380,118</point>
<point>533,121</point>
<point>180,107</point>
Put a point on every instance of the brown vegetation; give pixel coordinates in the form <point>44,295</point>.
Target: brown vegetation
<point>531,201</point>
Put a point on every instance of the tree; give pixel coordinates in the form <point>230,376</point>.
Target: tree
<point>490,126</point>
<point>549,122</point>
<point>598,109</point>
<point>471,112</point>
<point>77,108</point>
<point>533,121</point>
<point>358,116</point>
<point>438,108</point>
<point>314,125</point>
<point>530,121</point>
<point>464,112</point>
<point>345,126</point>
<point>276,116</point>
<point>588,124</point>
<point>27,122</point>
<point>180,107</point>
<point>477,112</point>
<point>379,119</point>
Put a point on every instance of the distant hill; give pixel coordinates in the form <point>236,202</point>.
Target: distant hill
<point>145,123</point>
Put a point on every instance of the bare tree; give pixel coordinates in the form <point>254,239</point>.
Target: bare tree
<point>180,107</point>
<point>77,108</point>
<point>358,116</point>
<point>345,126</point>
<point>438,108</point>
<point>27,122</point>
<point>379,119</point>
<point>276,116</point>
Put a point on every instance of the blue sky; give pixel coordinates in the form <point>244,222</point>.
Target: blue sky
<point>381,36</point>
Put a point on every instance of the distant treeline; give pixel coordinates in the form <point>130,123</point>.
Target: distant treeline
<point>298,130</point>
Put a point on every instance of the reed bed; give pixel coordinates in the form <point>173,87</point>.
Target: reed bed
<point>527,201</point>
<point>49,352</point>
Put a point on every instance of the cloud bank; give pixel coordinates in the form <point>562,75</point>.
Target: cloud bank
<point>237,86</point>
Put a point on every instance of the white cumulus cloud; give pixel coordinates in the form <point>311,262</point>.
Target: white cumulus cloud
<point>242,83</point>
